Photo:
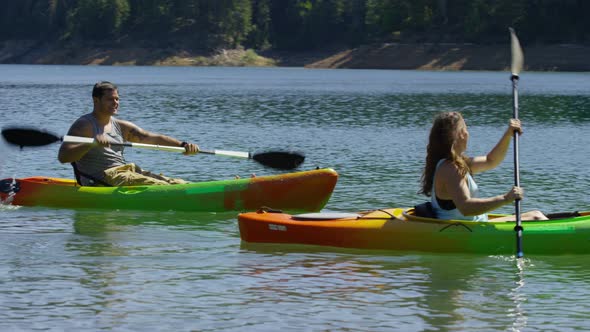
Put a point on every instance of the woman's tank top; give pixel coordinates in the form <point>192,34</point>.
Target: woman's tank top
<point>455,214</point>
<point>99,158</point>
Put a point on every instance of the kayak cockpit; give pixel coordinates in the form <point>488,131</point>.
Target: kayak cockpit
<point>413,215</point>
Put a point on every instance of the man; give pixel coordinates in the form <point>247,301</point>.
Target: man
<point>102,163</point>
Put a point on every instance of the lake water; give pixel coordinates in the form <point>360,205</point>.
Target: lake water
<point>168,271</point>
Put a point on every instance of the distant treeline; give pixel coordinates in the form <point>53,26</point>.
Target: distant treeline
<point>293,24</point>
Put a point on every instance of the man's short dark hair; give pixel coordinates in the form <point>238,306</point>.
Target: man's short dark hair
<point>101,87</point>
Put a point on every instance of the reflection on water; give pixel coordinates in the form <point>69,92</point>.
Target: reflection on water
<point>396,291</point>
<point>518,313</point>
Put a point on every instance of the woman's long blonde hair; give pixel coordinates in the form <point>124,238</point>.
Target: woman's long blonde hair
<point>443,136</point>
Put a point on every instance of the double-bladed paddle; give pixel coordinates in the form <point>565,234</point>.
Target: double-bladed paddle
<point>516,68</point>
<point>22,137</point>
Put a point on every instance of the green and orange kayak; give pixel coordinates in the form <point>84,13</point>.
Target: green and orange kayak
<point>300,191</point>
<point>401,229</point>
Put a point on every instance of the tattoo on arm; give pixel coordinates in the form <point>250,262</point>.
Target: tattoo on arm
<point>137,134</point>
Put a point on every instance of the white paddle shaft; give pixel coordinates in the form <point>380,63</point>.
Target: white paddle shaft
<point>88,140</point>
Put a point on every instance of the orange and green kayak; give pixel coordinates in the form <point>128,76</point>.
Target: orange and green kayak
<point>401,229</point>
<point>299,191</point>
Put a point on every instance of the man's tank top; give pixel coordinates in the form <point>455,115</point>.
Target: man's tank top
<point>99,158</point>
<point>455,214</point>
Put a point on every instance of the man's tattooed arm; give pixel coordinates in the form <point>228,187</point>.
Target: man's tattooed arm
<point>137,135</point>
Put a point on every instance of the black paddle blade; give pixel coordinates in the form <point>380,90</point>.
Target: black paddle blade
<point>279,159</point>
<point>28,137</point>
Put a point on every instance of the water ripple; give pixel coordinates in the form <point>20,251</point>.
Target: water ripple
<point>105,270</point>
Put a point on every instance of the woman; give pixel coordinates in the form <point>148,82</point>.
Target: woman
<point>447,177</point>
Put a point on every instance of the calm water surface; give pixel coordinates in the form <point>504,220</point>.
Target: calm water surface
<point>120,270</point>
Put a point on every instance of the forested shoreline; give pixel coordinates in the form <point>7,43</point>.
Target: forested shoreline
<point>72,29</point>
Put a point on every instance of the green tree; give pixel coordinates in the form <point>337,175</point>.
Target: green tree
<point>288,23</point>
<point>151,19</point>
<point>261,20</point>
<point>98,19</point>
<point>294,24</point>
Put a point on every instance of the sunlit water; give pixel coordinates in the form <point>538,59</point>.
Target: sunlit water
<point>121,270</point>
